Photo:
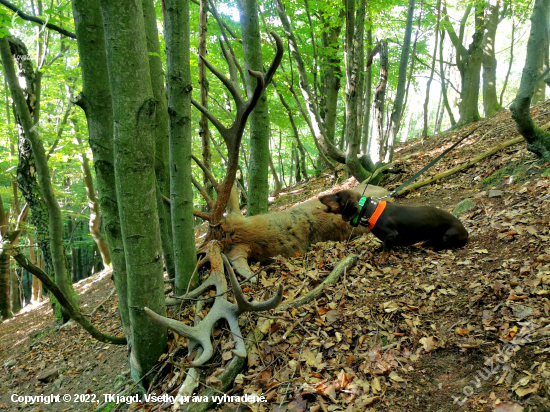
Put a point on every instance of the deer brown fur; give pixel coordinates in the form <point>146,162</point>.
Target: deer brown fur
<point>287,232</point>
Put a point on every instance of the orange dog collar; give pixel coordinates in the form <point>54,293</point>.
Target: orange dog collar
<point>377,212</point>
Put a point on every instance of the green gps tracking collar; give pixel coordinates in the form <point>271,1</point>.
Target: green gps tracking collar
<point>355,221</point>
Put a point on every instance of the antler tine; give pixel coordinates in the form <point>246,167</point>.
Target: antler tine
<point>195,335</point>
<point>217,124</point>
<point>226,82</point>
<point>207,172</point>
<point>243,304</point>
<point>276,60</point>
<point>203,192</point>
<point>260,86</point>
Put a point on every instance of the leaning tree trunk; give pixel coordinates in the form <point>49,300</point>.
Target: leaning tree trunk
<point>95,216</point>
<point>95,100</point>
<point>395,120</point>
<point>489,61</point>
<point>134,148</point>
<point>26,178</point>
<point>538,141</point>
<point>379,99</point>
<point>181,192</point>
<point>55,227</point>
<point>443,81</point>
<point>540,88</point>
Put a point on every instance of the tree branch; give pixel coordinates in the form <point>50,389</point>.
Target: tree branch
<point>38,20</point>
<point>73,311</point>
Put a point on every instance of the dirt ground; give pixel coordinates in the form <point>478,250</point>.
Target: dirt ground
<point>462,330</point>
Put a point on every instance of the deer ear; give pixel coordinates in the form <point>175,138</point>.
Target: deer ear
<point>332,202</point>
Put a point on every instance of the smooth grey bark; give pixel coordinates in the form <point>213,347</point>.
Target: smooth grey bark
<point>443,81</point>
<point>397,112</point>
<point>15,288</point>
<point>413,55</point>
<point>55,227</point>
<point>259,128</point>
<point>489,61</point>
<point>367,100</point>
<point>432,69</point>
<point>538,141</point>
<point>179,110</point>
<point>377,137</point>
<point>95,99</point>
<point>134,153</point>
<point>276,182</point>
<point>355,29</point>
<point>468,62</point>
<point>162,170</point>
<point>540,88</point>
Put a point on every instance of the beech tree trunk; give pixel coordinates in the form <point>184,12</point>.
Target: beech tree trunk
<point>15,290</point>
<point>162,170</point>
<point>355,26</point>
<point>134,147</point>
<point>181,191</point>
<point>468,63</point>
<point>258,186</point>
<point>395,120</point>
<point>538,141</point>
<point>96,102</point>
<point>489,61</point>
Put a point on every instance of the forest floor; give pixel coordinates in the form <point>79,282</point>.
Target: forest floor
<point>462,330</point>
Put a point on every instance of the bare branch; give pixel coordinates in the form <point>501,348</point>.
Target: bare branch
<point>202,215</point>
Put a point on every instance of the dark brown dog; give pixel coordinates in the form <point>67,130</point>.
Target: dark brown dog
<point>403,225</point>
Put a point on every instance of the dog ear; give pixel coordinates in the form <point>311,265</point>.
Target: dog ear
<point>332,202</point>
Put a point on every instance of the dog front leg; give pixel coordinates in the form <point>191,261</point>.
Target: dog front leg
<point>386,247</point>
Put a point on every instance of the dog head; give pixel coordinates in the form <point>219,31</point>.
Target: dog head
<point>345,203</point>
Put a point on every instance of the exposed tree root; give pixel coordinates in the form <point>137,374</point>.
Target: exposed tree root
<point>332,278</point>
<point>461,167</point>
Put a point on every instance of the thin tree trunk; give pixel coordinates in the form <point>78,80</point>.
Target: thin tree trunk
<point>258,185</point>
<point>538,141</point>
<point>432,69</point>
<point>511,60</point>
<point>181,197</point>
<point>368,93</point>
<point>204,131</point>
<point>15,289</point>
<point>395,120</point>
<point>489,61</point>
<point>281,163</point>
<point>134,144</point>
<point>377,138</point>
<point>35,260</point>
<point>277,184</point>
<point>443,81</point>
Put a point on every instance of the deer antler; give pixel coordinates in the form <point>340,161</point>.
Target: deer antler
<point>232,135</point>
<point>222,309</point>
